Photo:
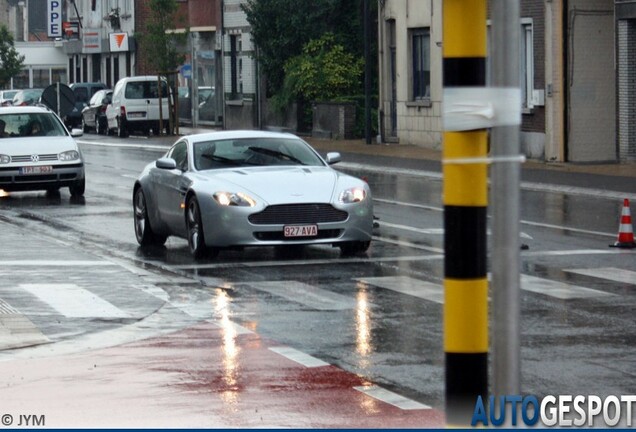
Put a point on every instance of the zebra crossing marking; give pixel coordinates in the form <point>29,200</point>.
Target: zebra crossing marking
<point>409,286</point>
<point>560,290</point>
<point>73,301</point>
<point>609,273</point>
<point>309,295</point>
<point>16,330</point>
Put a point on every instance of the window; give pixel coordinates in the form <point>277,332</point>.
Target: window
<point>180,154</point>
<point>526,67</point>
<point>421,63</point>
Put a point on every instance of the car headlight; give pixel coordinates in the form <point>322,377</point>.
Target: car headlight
<point>69,155</point>
<point>5,159</point>
<point>353,195</point>
<point>234,199</point>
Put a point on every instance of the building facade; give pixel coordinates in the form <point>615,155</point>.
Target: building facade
<point>576,78</point>
<point>240,73</point>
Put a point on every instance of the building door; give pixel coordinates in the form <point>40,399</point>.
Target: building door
<point>591,91</point>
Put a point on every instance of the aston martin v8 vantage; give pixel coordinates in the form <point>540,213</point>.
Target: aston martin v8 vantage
<point>250,188</point>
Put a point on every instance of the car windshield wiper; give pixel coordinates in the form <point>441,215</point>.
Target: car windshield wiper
<point>221,159</point>
<point>277,154</point>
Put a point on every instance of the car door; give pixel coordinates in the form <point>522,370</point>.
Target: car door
<point>171,186</point>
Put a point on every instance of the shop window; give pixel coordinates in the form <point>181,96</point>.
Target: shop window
<point>41,78</point>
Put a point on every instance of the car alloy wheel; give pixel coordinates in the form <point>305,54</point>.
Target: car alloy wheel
<point>196,239</point>
<point>143,231</point>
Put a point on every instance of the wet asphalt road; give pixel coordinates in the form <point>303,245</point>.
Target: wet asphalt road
<point>377,316</point>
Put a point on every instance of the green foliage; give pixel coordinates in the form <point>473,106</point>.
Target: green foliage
<point>11,62</point>
<point>281,28</point>
<point>166,48</point>
<point>324,71</point>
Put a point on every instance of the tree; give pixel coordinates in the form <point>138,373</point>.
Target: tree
<point>324,71</point>
<point>11,62</point>
<point>166,47</point>
<point>281,28</point>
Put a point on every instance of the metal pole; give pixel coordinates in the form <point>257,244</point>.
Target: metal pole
<point>505,189</point>
<point>465,195</point>
<point>367,73</point>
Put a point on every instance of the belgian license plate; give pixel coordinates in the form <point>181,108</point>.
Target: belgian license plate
<point>300,230</point>
<point>42,169</point>
<point>136,115</point>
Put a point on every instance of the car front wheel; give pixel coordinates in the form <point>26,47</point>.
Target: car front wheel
<point>354,247</point>
<point>77,189</point>
<point>196,237</point>
<point>143,231</point>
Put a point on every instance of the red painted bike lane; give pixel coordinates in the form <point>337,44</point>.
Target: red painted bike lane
<point>206,376</point>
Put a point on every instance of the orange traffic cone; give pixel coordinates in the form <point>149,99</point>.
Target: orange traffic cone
<point>625,230</point>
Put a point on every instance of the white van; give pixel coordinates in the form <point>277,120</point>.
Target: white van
<point>135,106</point>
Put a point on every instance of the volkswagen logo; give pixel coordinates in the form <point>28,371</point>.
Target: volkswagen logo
<point>35,158</point>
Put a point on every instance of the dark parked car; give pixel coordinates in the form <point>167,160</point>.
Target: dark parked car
<point>94,114</point>
<point>83,93</point>
<point>27,97</point>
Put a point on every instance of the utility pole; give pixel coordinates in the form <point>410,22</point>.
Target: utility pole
<point>367,72</point>
<point>506,191</point>
<point>465,195</point>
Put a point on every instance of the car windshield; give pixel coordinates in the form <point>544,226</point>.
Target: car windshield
<point>30,124</point>
<point>253,152</point>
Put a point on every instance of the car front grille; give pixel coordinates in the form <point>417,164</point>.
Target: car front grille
<point>288,214</point>
<point>27,158</point>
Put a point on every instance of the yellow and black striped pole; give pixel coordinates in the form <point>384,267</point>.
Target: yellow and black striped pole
<point>465,197</point>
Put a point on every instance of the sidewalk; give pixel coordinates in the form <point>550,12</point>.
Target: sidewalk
<point>618,177</point>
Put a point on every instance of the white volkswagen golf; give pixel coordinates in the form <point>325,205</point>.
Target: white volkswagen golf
<point>37,152</point>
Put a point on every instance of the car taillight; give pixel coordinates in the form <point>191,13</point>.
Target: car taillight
<point>122,111</point>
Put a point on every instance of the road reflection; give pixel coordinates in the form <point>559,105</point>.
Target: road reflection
<point>230,349</point>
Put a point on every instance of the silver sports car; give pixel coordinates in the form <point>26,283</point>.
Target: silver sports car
<point>250,188</point>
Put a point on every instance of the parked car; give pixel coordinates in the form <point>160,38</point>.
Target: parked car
<point>83,94</point>
<point>207,107</point>
<point>135,106</point>
<point>250,188</point>
<point>94,114</point>
<point>37,152</point>
<point>6,97</point>
<point>27,97</point>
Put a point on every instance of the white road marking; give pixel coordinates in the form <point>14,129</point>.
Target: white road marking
<point>54,263</point>
<point>409,286</point>
<point>607,251</point>
<point>306,294</point>
<point>73,301</point>
<point>391,398</point>
<point>431,231</point>
<point>16,330</point>
<point>299,357</point>
<point>557,289</point>
<point>609,273</point>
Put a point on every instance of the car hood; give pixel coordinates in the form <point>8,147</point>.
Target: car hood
<point>276,185</point>
<point>36,145</point>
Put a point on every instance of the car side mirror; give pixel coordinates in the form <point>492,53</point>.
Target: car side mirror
<point>75,133</point>
<point>166,163</point>
<point>333,158</point>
